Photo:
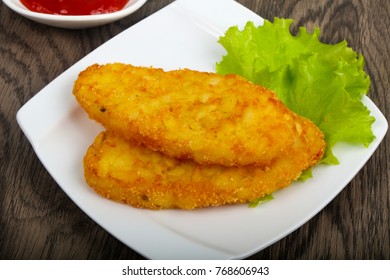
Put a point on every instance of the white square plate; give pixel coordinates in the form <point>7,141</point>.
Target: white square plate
<point>182,35</point>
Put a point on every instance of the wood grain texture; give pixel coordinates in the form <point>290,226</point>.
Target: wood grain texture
<point>39,221</point>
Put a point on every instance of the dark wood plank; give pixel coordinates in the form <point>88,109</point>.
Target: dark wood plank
<point>39,221</point>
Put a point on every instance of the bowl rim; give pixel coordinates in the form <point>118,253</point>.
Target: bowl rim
<point>130,7</point>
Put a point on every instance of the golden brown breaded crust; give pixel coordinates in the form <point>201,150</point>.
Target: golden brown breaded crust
<point>187,114</point>
<point>119,170</point>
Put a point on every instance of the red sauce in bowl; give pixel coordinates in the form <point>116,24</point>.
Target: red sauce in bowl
<point>74,7</point>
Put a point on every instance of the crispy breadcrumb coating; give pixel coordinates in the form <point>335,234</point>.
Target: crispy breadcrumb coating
<point>186,114</point>
<point>122,171</point>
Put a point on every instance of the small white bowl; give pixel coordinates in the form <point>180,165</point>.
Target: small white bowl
<point>74,22</point>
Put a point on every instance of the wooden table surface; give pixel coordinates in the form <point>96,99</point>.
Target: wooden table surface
<point>39,221</point>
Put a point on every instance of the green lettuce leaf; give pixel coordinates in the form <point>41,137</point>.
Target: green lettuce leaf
<point>260,200</point>
<point>322,82</point>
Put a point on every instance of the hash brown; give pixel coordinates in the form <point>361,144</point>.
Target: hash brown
<point>186,114</point>
<point>122,171</point>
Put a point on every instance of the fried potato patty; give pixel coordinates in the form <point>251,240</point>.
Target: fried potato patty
<point>186,114</point>
<point>122,171</point>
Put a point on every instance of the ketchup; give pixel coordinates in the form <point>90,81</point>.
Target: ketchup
<point>74,7</point>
